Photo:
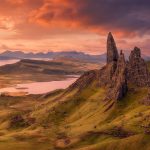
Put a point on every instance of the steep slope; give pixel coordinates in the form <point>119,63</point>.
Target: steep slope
<point>78,121</point>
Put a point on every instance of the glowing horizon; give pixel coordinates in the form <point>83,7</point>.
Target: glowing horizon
<point>64,25</point>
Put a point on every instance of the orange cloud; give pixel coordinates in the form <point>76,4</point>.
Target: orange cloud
<point>56,13</point>
<point>97,16</point>
<point>73,24</point>
<point>16,2</point>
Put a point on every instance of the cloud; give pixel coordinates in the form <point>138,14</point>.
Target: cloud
<point>121,16</point>
<point>6,23</point>
<point>74,24</point>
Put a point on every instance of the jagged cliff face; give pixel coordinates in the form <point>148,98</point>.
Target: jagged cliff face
<point>85,80</point>
<point>119,87</point>
<point>134,72</point>
<point>117,74</point>
<point>137,69</point>
<point>116,70</point>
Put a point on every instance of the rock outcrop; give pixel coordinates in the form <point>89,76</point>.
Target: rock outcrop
<point>112,52</point>
<point>117,74</point>
<point>138,73</point>
<point>119,87</point>
<point>107,72</point>
<point>85,80</point>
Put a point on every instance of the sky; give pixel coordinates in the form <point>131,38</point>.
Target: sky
<point>67,25</point>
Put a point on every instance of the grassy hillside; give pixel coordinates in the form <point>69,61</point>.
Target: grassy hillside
<point>65,120</point>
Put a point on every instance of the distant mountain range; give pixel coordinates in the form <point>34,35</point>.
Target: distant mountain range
<point>52,55</point>
<point>56,55</point>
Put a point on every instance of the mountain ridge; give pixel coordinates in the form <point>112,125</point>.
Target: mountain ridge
<point>55,55</point>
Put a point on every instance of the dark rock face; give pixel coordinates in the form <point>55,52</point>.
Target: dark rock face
<point>117,74</point>
<point>85,80</point>
<point>137,69</point>
<point>106,74</point>
<point>112,52</point>
<point>119,88</point>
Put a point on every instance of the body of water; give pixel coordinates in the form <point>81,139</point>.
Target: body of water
<point>39,87</point>
<point>36,87</point>
<point>6,62</point>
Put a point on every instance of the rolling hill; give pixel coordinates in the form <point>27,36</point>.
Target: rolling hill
<point>63,67</point>
<point>27,70</point>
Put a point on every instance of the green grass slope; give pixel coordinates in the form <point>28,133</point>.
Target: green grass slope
<point>99,125</point>
<point>75,121</point>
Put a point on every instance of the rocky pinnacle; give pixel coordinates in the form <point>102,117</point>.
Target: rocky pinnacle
<point>119,85</point>
<point>138,73</point>
<point>118,74</point>
<point>112,52</point>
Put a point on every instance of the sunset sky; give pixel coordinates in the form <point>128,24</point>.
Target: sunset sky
<point>81,25</point>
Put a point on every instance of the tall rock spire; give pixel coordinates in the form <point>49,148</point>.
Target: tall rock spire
<point>119,85</point>
<point>112,52</point>
<point>138,73</point>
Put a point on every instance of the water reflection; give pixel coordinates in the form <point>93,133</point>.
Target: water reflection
<point>39,87</point>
